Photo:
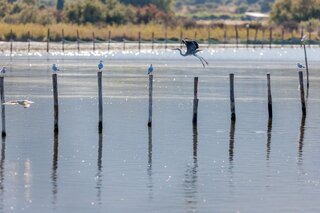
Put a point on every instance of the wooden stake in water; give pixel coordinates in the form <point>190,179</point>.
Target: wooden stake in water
<point>150,99</point>
<point>247,27</point>
<point>224,36</point>
<point>100,100</point>
<point>255,37</point>
<point>78,41</point>
<point>232,103</point>
<point>237,36</point>
<point>62,40</point>
<point>109,40</point>
<point>11,42</point>
<point>166,40</point>
<point>263,35</point>
<point>139,42</point>
<point>270,37</point>
<point>303,104</point>
<point>93,42</point>
<point>269,97</point>
<point>124,41</point>
<point>48,40</point>
<point>55,102</point>
<point>195,102</point>
<point>152,41</point>
<point>309,31</point>
<point>3,114</point>
<point>282,37</point>
<point>181,37</point>
<point>306,61</point>
<point>28,41</point>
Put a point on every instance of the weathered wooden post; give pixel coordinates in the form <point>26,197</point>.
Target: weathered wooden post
<point>124,41</point>
<point>55,102</point>
<point>93,42</point>
<point>232,103</point>
<point>109,40</point>
<point>166,40</point>
<point>48,40</point>
<point>224,35</point>
<point>62,40</point>
<point>269,97</point>
<point>263,35</point>
<point>303,104</point>
<point>181,37</point>
<point>282,37</point>
<point>139,41</point>
<point>309,31</point>
<point>3,114</point>
<point>255,37</point>
<point>100,101</point>
<point>152,41</point>
<point>270,37</point>
<point>195,101</point>
<point>237,36</point>
<point>247,27</point>
<point>306,60</point>
<point>150,100</point>
<point>28,41</point>
<point>78,41</point>
<point>11,42</point>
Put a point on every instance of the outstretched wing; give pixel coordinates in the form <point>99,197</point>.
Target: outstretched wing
<point>191,45</point>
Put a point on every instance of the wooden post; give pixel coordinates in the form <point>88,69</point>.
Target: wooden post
<point>124,41</point>
<point>28,41</point>
<point>270,37</point>
<point>62,40</point>
<point>181,37</point>
<point>150,100</point>
<point>224,36</point>
<point>309,31</point>
<point>100,101</point>
<point>303,104</point>
<point>166,40</point>
<point>301,34</point>
<point>152,41</point>
<point>247,27</point>
<point>11,42</point>
<point>255,37</point>
<point>237,36</point>
<point>232,103</point>
<point>139,42</point>
<point>195,101</point>
<point>109,40</point>
<point>263,35</point>
<point>282,37</point>
<point>306,61</point>
<point>78,41</point>
<point>3,114</point>
<point>55,102</point>
<point>269,97</point>
<point>48,40</point>
<point>93,42</point>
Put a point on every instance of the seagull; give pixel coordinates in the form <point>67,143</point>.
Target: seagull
<point>24,103</point>
<point>150,69</point>
<point>303,38</point>
<point>300,66</point>
<point>3,70</point>
<point>100,65</point>
<point>192,49</point>
<point>55,68</point>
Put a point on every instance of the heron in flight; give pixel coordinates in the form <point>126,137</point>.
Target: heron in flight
<point>150,69</point>
<point>24,103</point>
<point>300,66</point>
<point>192,49</point>
<point>100,65</point>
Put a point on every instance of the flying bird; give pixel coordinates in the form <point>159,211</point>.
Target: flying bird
<point>300,66</point>
<point>55,68</point>
<point>24,103</point>
<point>150,69</point>
<point>100,65</point>
<point>3,70</point>
<point>192,49</point>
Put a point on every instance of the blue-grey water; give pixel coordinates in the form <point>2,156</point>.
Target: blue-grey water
<point>252,165</point>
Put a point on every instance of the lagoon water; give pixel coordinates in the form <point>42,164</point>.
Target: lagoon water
<point>252,165</point>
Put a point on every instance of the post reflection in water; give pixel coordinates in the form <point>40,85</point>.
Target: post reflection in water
<point>149,169</point>
<point>301,138</point>
<point>99,171</point>
<point>269,139</point>
<point>231,140</point>
<point>3,156</point>
<point>54,174</point>
<point>191,178</point>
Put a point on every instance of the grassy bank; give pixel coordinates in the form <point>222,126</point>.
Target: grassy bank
<point>38,32</point>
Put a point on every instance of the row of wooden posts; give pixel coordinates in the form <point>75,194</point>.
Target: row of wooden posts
<point>139,42</point>
<point>195,100</point>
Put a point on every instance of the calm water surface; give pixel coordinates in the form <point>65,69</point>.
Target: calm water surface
<point>252,165</point>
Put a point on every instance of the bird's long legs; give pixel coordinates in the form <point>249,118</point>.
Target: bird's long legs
<point>201,59</point>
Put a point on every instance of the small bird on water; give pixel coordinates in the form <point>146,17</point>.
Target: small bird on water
<point>100,65</point>
<point>300,66</point>
<point>24,103</point>
<point>150,69</point>
<point>55,68</point>
<point>3,70</point>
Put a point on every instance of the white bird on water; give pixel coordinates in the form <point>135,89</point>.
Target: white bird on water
<point>150,69</point>
<point>300,66</point>
<point>3,70</point>
<point>192,49</point>
<point>55,68</point>
<point>100,65</point>
<point>24,103</point>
